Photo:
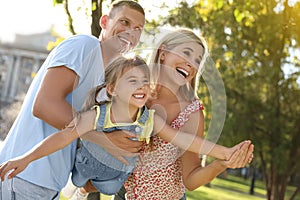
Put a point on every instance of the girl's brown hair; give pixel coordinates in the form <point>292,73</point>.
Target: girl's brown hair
<point>113,72</point>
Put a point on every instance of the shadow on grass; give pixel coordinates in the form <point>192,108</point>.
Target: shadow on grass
<point>230,188</point>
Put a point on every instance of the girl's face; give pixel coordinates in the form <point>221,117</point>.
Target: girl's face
<point>133,87</point>
<point>183,61</point>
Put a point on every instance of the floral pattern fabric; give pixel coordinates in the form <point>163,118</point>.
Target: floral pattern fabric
<point>158,174</point>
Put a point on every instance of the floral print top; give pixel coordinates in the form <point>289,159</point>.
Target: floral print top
<point>158,174</point>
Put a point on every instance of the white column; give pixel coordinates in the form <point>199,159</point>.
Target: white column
<point>10,65</point>
<point>15,79</point>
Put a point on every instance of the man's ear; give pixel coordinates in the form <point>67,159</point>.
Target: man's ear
<point>111,90</point>
<point>103,21</point>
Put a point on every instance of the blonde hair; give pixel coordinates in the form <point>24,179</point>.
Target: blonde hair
<point>113,72</point>
<point>170,41</point>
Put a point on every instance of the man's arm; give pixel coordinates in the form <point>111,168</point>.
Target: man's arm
<point>50,104</point>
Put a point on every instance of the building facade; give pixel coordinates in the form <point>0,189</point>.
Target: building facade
<point>19,62</point>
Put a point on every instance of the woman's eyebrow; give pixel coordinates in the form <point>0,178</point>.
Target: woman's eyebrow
<point>189,49</point>
<point>192,51</point>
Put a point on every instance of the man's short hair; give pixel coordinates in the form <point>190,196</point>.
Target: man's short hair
<point>131,4</point>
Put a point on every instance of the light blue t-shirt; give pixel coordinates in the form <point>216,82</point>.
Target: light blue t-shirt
<point>83,55</point>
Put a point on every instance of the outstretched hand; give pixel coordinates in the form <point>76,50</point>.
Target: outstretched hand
<point>12,167</point>
<point>232,150</point>
<point>241,157</point>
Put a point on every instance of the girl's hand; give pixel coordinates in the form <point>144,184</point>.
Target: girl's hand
<point>12,167</point>
<point>240,158</point>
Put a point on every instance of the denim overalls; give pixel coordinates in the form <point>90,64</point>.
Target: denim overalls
<point>92,162</point>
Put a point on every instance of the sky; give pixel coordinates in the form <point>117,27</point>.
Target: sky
<point>20,17</point>
<point>30,16</point>
<point>36,16</point>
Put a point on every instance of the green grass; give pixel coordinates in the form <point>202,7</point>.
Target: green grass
<point>231,188</point>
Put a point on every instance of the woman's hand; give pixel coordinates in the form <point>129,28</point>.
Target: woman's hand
<point>232,150</point>
<point>240,158</point>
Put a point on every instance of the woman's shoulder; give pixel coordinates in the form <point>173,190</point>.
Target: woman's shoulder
<point>194,105</point>
<point>198,103</point>
<point>192,108</point>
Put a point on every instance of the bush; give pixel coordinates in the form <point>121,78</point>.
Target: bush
<point>7,117</point>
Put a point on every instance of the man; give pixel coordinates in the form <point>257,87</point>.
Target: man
<point>58,90</point>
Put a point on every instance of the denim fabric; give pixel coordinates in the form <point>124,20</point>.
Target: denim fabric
<point>19,189</point>
<point>105,171</point>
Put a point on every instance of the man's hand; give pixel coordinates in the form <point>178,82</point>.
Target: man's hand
<point>117,143</point>
<point>12,167</point>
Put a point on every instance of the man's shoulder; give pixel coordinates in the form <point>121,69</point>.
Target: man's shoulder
<point>86,37</point>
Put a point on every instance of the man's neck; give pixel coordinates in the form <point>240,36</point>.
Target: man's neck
<point>108,53</point>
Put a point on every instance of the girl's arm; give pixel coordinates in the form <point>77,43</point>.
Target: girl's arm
<point>50,144</point>
<point>189,140</point>
<point>194,175</point>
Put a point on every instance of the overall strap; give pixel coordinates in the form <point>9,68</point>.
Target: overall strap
<point>144,115</point>
<point>101,119</point>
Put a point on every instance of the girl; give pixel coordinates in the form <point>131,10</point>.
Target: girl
<point>163,171</point>
<point>127,88</point>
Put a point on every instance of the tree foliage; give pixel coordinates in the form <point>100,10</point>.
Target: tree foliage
<point>96,10</point>
<point>254,43</point>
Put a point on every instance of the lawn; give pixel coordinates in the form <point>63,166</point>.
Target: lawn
<point>231,188</point>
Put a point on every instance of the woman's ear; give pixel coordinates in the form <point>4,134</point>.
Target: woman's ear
<point>162,52</point>
<point>162,56</point>
<point>111,90</point>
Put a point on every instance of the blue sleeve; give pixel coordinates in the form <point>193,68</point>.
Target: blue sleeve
<point>72,53</point>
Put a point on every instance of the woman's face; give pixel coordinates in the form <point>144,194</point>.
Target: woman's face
<point>183,60</point>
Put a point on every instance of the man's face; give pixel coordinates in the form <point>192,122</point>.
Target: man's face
<point>123,28</point>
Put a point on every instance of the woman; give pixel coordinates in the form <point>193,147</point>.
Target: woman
<point>163,171</point>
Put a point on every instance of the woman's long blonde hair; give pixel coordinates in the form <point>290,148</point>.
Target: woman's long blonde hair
<point>170,41</point>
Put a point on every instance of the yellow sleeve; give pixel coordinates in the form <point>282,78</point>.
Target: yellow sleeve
<point>148,128</point>
<point>97,115</point>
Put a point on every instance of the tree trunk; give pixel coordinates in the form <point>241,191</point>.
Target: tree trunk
<point>252,181</point>
<point>70,19</point>
<point>96,15</point>
<point>295,193</point>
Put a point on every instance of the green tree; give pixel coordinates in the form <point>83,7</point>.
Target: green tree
<point>96,8</point>
<point>253,43</point>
